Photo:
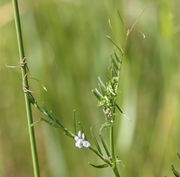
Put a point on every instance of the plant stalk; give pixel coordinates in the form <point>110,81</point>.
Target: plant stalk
<point>24,72</point>
<point>116,172</point>
<point>114,165</point>
<point>112,143</point>
<point>100,156</point>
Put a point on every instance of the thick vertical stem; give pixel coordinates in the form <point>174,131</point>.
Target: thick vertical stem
<point>26,85</point>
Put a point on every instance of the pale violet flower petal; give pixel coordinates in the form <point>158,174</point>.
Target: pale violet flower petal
<point>79,143</point>
<point>76,138</point>
<point>86,144</point>
<point>83,136</point>
<point>79,134</point>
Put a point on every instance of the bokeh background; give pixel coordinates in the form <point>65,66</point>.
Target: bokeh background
<point>67,49</point>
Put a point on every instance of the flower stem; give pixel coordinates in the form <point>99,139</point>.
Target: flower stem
<point>26,85</point>
<point>112,144</point>
<point>116,172</point>
<point>114,165</point>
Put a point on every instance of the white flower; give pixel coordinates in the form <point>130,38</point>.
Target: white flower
<point>80,141</point>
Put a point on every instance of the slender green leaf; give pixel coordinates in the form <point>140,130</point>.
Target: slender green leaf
<point>178,154</point>
<point>102,86</point>
<point>115,44</point>
<point>74,122</point>
<point>99,166</point>
<point>96,142</point>
<point>176,173</point>
<point>97,94</point>
<point>120,110</point>
<point>104,145</point>
<point>117,58</point>
<point>120,17</point>
<point>115,64</point>
<point>101,83</point>
<point>113,71</point>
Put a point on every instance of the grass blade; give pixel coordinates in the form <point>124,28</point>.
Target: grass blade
<point>104,145</point>
<point>96,142</point>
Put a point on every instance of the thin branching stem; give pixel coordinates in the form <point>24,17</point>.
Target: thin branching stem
<point>24,72</point>
<point>100,156</point>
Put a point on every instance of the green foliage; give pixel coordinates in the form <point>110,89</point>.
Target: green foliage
<point>105,146</point>
<point>107,101</point>
<point>108,91</point>
<point>107,97</point>
<point>99,166</point>
<point>66,50</point>
<point>95,141</point>
<point>175,172</point>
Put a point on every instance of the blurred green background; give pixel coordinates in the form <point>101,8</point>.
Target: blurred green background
<point>67,50</point>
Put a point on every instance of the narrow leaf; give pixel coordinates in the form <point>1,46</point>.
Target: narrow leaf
<point>116,45</point>
<point>178,154</point>
<point>120,17</point>
<point>117,58</point>
<point>113,71</point>
<point>115,64</point>
<point>97,94</point>
<point>176,173</point>
<point>74,122</point>
<point>101,83</point>
<point>102,86</point>
<point>120,110</point>
<point>52,119</point>
<point>101,89</point>
<point>99,166</point>
<point>96,142</point>
<point>104,145</point>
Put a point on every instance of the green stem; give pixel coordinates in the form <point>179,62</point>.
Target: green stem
<point>114,165</point>
<point>100,156</point>
<point>26,85</point>
<point>112,144</point>
<point>116,172</point>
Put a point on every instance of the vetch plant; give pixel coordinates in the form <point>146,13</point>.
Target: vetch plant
<point>106,96</point>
